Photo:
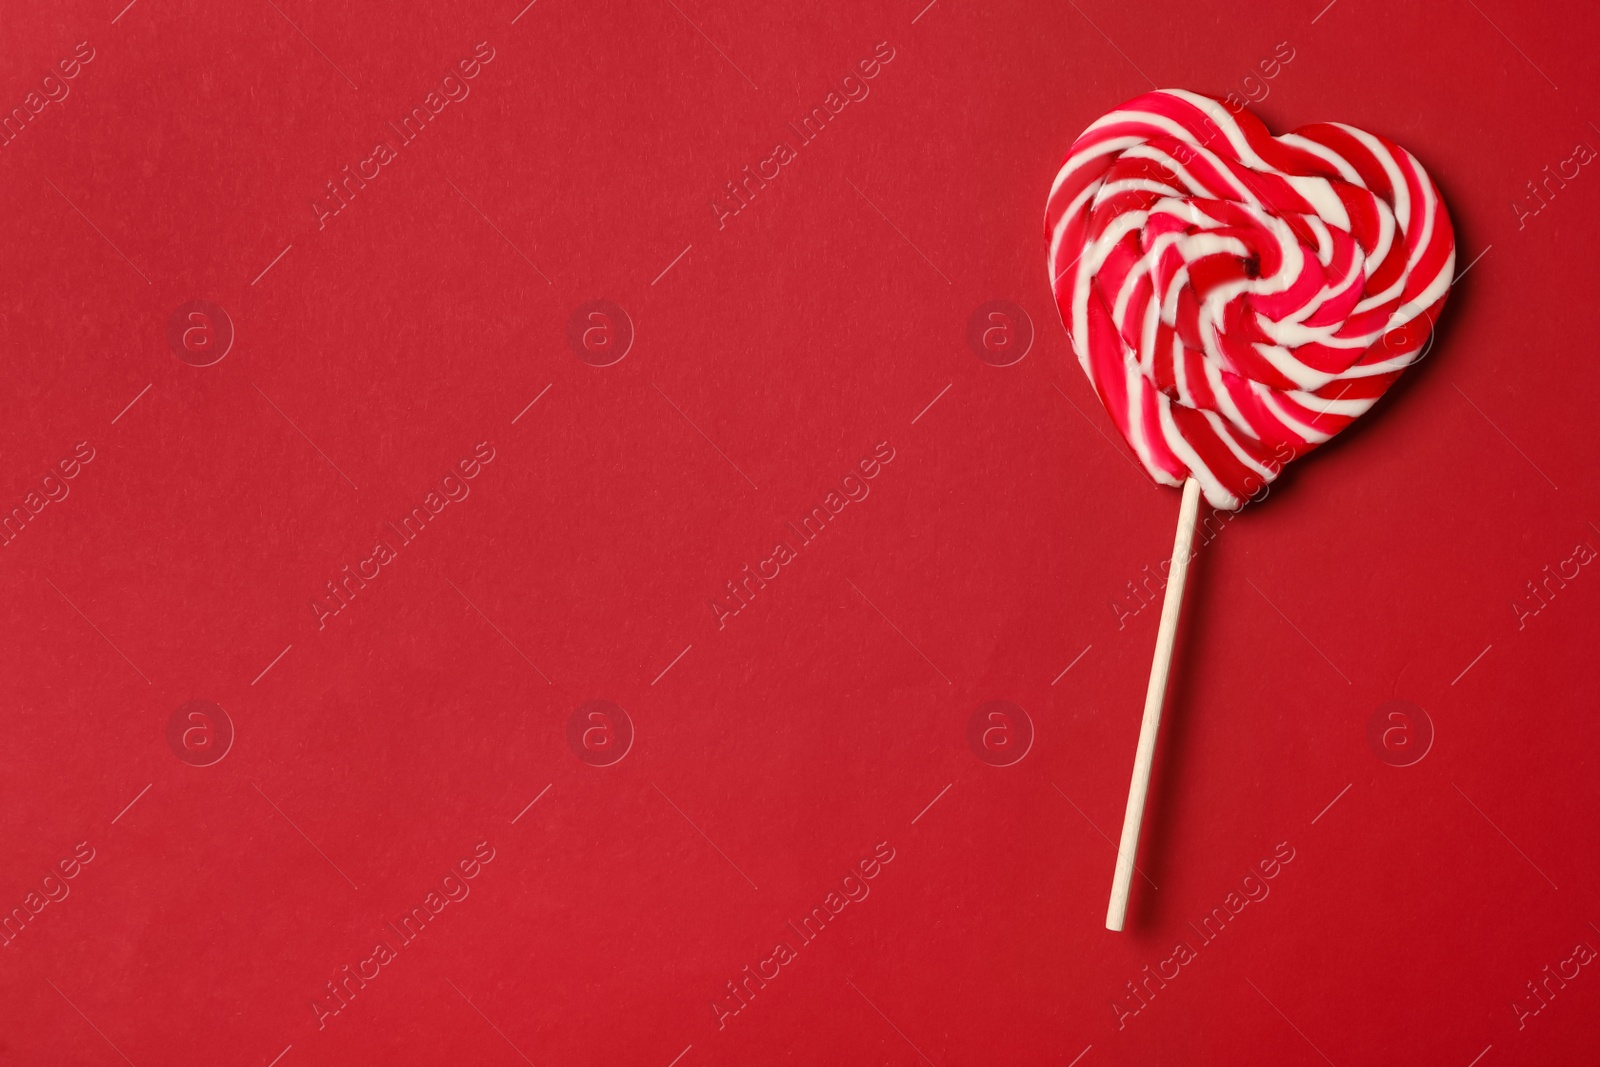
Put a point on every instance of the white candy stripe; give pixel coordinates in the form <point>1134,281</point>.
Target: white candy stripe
<point>1209,483</point>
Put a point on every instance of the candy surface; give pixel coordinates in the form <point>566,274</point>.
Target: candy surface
<point>1237,298</point>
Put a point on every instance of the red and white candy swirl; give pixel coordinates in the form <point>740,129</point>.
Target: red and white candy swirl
<point>1238,298</point>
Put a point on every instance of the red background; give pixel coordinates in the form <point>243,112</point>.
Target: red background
<point>772,754</point>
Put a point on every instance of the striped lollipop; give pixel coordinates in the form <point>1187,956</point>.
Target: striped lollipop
<point>1236,299</point>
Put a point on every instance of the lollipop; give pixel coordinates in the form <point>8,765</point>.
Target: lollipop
<point>1236,299</point>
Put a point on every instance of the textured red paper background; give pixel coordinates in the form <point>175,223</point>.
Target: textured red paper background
<point>831,715</point>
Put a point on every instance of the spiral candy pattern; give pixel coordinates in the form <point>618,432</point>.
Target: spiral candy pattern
<point>1236,298</point>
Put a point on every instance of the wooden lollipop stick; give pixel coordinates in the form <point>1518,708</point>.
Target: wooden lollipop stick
<point>1154,696</point>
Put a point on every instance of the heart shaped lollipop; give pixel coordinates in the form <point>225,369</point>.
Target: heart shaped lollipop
<point>1236,299</point>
